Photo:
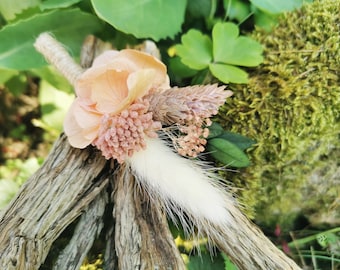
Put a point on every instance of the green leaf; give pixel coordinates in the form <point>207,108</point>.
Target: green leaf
<point>50,4</point>
<point>6,74</point>
<point>228,265</point>
<point>227,153</point>
<point>143,19</point>
<point>265,20</point>
<point>195,50</point>
<point>277,6</point>
<point>54,78</point>
<point>8,189</point>
<point>236,9</point>
<point>205,262</point>
<point>228,73</point>
<point>54,105</point>
<point>199,8</point>
<point>230,48</point>
<point>9,8</point>
<point>17,84</point>
<point>69,26</point>
<point>215,130</point>
<point>239,140</point>
<point>177,67</point>
<point>326,239</point>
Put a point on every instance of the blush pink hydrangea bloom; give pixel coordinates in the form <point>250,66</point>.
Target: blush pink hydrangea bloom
<point>116,80</point>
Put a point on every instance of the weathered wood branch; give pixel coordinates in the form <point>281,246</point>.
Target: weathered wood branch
<point>143,239</point>
<point>249,248</point>
<point>73,183</point>
<point>47,203</point>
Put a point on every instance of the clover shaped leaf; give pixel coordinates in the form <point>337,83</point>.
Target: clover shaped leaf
<point>228,73</point>
<point>231,50</point>
<point>195,50</point>
<point>223,54</point>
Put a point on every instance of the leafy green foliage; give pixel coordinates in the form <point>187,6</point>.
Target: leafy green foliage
<point>230,48</point>
<point>266,21</point>
<point>144,19</point>
<point>6,74</point>
<point>51,4</point>
<point>205,262</point>
<point>222,54</point>
<point>228,147</point>
<point>16,48</point>
<point>13,174</point>
<point>195,50</point>
<point>228,265</point>
<point>277,6</point>
<point>236,9</point>
<point>329,241</point>
<point>10,9</point>
<point>227,153</point>
<point>199,8</point>
<point>228,74</point>
<point>54,105</point>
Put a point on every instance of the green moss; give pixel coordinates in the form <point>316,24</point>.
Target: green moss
<point>291,107</point>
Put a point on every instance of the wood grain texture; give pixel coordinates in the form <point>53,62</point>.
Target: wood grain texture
<point>75,183</point>
<point>58,193</point>
<point>249,248</point>
<point>143,239</point>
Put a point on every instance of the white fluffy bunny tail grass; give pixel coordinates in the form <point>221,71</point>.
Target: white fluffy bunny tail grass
<point>182,185</point>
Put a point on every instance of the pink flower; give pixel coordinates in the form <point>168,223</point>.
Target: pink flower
<point>116,80</point>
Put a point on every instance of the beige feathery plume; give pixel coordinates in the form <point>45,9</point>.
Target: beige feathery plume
<point>181,105</point>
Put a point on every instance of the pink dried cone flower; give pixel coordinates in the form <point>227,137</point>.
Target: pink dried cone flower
<point>121,135</point>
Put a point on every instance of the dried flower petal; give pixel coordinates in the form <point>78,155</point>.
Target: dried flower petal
<point>108,106</point>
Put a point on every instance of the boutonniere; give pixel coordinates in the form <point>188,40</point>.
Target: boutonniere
<point>126,108</point>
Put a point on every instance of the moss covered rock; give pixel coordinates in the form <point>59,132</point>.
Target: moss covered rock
<point>291,107</point>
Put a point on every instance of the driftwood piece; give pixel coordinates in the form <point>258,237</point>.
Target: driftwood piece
<point>72,183</point>
<point>249,248</point>
<point>47,203</point>
<point>75,182</point>
<point>143,239</point>
<point>87,230</point>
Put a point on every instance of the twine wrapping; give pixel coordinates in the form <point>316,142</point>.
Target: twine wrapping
<point>58,56</point>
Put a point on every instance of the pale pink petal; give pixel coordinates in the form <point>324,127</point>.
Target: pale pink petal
<point>85,115</point>
<point>79,134</point>
<point>74,132</point>
<point>105,58</point>
<point>142,60</point>
<point>146,61</point>
<point>132,60</point>
<point>140,82</point>
<point>85,82</point>
<point>109,90</point>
